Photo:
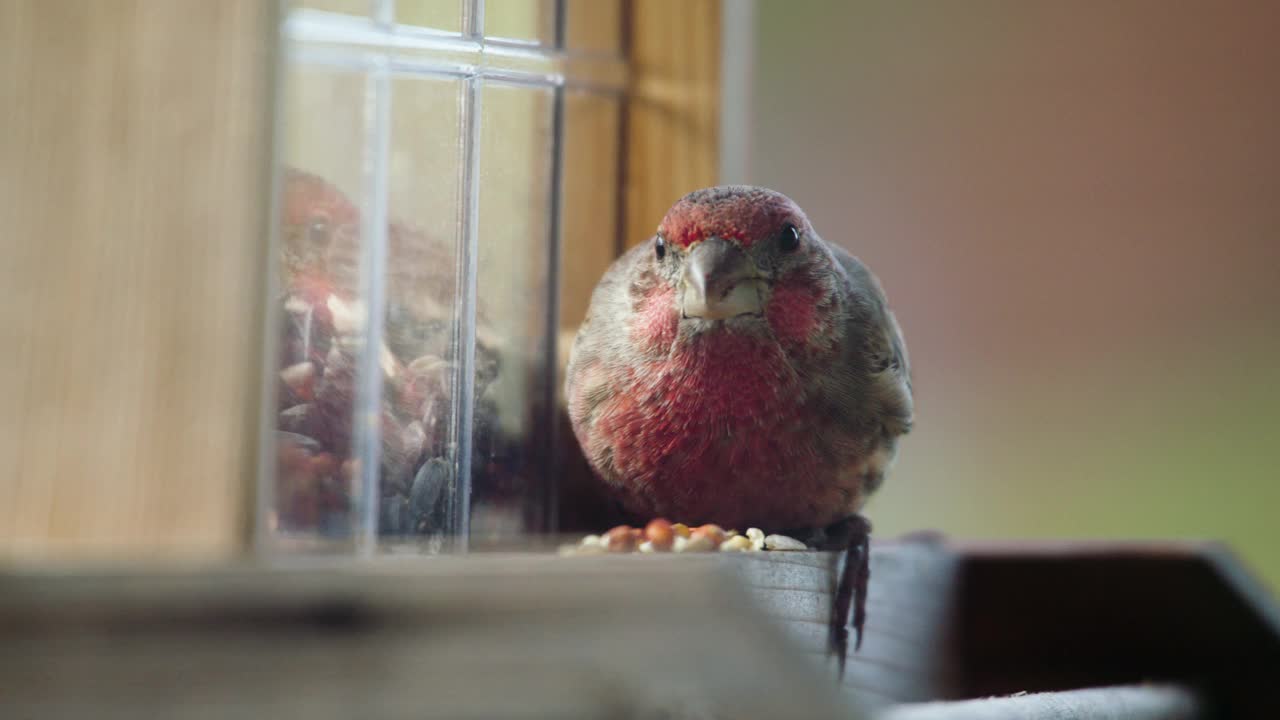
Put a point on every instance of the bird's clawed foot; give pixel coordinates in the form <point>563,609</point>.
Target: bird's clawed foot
<point>852,537</point>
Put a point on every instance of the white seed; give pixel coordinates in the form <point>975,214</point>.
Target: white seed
<point>679,543</point>
<point>348,318</point>
<point>646,547</point>
<point>699,543</point>
<point>782,542</point>
<point>737,543</point>
<point>390,366</point>
<point>754,534</point>
<point>296,305</point>
<point>593,541</point>
<point>582,549</point>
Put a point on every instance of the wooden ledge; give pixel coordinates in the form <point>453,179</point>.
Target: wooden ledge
<point>484,636</point>
<point>535,635</point>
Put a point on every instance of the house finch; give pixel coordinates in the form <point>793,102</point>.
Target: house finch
<point>737,369</point>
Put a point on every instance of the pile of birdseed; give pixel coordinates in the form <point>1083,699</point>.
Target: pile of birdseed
<point>661,536</point>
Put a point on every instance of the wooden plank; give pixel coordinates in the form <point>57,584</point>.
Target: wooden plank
<point>393,633</point>
<point>593,26</point>
<point>523,636</point>
<point>1056,616</point>
<point>964,620</point>
<point>905,656</point>
<point>673,113</point>
<point>1154,702</point>
<point>134,142</point>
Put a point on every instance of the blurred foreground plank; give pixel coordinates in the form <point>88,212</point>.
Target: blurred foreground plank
<point>477,637</point>
<point>707,635</point>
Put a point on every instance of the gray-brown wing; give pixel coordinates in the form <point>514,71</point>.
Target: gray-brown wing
<point>601,336</point>
<point>882,352</point>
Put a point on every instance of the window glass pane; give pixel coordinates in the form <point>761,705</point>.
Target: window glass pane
<point>416,491</point>
<point>513,388</point>
<point>532,20</point>
<point>320,240</point>
<point>435,14</point>
<point>593,26</point>
<point>349,7</point>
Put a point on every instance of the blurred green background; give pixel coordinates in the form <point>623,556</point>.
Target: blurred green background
<point>1075,210</point>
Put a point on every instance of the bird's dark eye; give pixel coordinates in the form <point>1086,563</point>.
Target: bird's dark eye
<point>660,247</point>
<point>790,238</point>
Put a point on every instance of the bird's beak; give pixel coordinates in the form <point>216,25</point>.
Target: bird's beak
<point>720,282</point>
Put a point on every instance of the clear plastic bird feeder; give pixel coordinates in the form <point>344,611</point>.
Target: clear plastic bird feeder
<point>424,147</point>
